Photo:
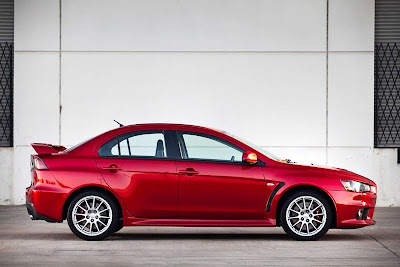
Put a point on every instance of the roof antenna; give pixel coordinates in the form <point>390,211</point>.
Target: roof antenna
<point>120,124</point>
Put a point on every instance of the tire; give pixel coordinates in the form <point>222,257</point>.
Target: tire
<point>90,223</point>
<point>119,226</point>
<point>302,222</point>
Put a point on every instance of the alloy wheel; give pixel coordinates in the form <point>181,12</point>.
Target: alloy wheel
<point>92,215</point>
<point>306,216</point>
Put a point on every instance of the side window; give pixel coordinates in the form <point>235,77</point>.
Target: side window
<point>137,145</point>
<point>209,148</point>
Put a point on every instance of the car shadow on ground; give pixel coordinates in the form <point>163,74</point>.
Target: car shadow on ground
<point>217,236</point>
<point>197,236</point>
<point>126,236</point>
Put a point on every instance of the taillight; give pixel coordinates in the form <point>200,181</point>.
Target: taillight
<point>38,164</point>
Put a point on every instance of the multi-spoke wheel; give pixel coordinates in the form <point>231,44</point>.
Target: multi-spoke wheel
<point>92,216</point>
<point>306,215</point>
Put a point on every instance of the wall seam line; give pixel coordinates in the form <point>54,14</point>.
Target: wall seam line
<point>188,51</point>
<point>59,75</point>
<point>327,89</point>
<point>183,51</point>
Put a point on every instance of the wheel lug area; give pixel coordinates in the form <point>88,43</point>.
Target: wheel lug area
<point>307,220</point>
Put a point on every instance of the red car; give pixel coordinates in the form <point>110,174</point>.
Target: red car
<point>183,175</point>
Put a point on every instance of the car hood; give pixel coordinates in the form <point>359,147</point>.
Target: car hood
<point>342,173</point>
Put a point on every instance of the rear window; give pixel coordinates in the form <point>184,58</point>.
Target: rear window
<point>78,145</point>
<point>142,144</point>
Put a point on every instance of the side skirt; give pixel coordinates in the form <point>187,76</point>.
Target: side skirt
<point>131,221</point>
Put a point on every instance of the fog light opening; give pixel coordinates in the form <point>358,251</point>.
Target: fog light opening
<point>359,214</point>
<point>362,214</point>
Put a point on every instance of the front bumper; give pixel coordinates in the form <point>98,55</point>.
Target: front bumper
<point>348,205</point>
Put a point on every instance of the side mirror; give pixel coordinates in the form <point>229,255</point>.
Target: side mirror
<point>249,157</point>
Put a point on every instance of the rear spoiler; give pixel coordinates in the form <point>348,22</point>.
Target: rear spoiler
<point>47,148</point>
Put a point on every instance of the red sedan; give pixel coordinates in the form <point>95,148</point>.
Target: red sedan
<point>183,175</point>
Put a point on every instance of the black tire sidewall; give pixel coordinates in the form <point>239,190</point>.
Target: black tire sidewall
<point>115,217</point>
<point>119,226</point>
<point>322,199</point>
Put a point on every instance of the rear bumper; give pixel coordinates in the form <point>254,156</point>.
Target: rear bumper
<point>45,202</point>
<point>348,205</point>
<point>36,216</point>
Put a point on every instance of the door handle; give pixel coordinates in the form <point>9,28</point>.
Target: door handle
<point>112,168</point>
<point>188,172</point>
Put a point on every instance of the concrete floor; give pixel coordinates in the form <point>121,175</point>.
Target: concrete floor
<point>23,241</point>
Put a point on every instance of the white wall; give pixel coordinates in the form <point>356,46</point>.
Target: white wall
<point>202,62</point>
<point>6,175</point>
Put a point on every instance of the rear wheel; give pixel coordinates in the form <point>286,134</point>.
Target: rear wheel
<point>92,215</point>
<point>306,215</point>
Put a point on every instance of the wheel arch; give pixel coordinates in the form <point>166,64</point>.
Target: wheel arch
<point>303,187</point>
<point>76,192</point>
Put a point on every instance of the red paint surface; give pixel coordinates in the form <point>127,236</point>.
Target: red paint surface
<point>187,192</point>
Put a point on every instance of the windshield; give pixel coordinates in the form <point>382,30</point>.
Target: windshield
<point>256,147</point>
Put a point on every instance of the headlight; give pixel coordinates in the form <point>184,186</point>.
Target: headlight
<point>355,186</point>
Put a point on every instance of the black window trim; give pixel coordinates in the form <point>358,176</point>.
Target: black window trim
<point>170,145</point>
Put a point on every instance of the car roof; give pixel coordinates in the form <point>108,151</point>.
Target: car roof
<point>170,125</point>
<point>89,144</point>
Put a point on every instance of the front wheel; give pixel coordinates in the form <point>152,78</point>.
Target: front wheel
<point>306,215</point>
<point>92,216</point>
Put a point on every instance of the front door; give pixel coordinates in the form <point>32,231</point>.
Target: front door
<point>138,168</point>
<point>214,183</point>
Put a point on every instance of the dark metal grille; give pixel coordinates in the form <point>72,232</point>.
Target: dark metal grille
<point>387,73</point>
<point>6,20</point>
<point>387,95</point>
<point>6,93</point>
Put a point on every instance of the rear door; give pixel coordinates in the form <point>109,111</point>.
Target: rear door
<point>139,167</point>
<point>213,181</point>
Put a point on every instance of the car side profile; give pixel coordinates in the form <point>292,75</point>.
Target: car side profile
<point>184,175</point>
